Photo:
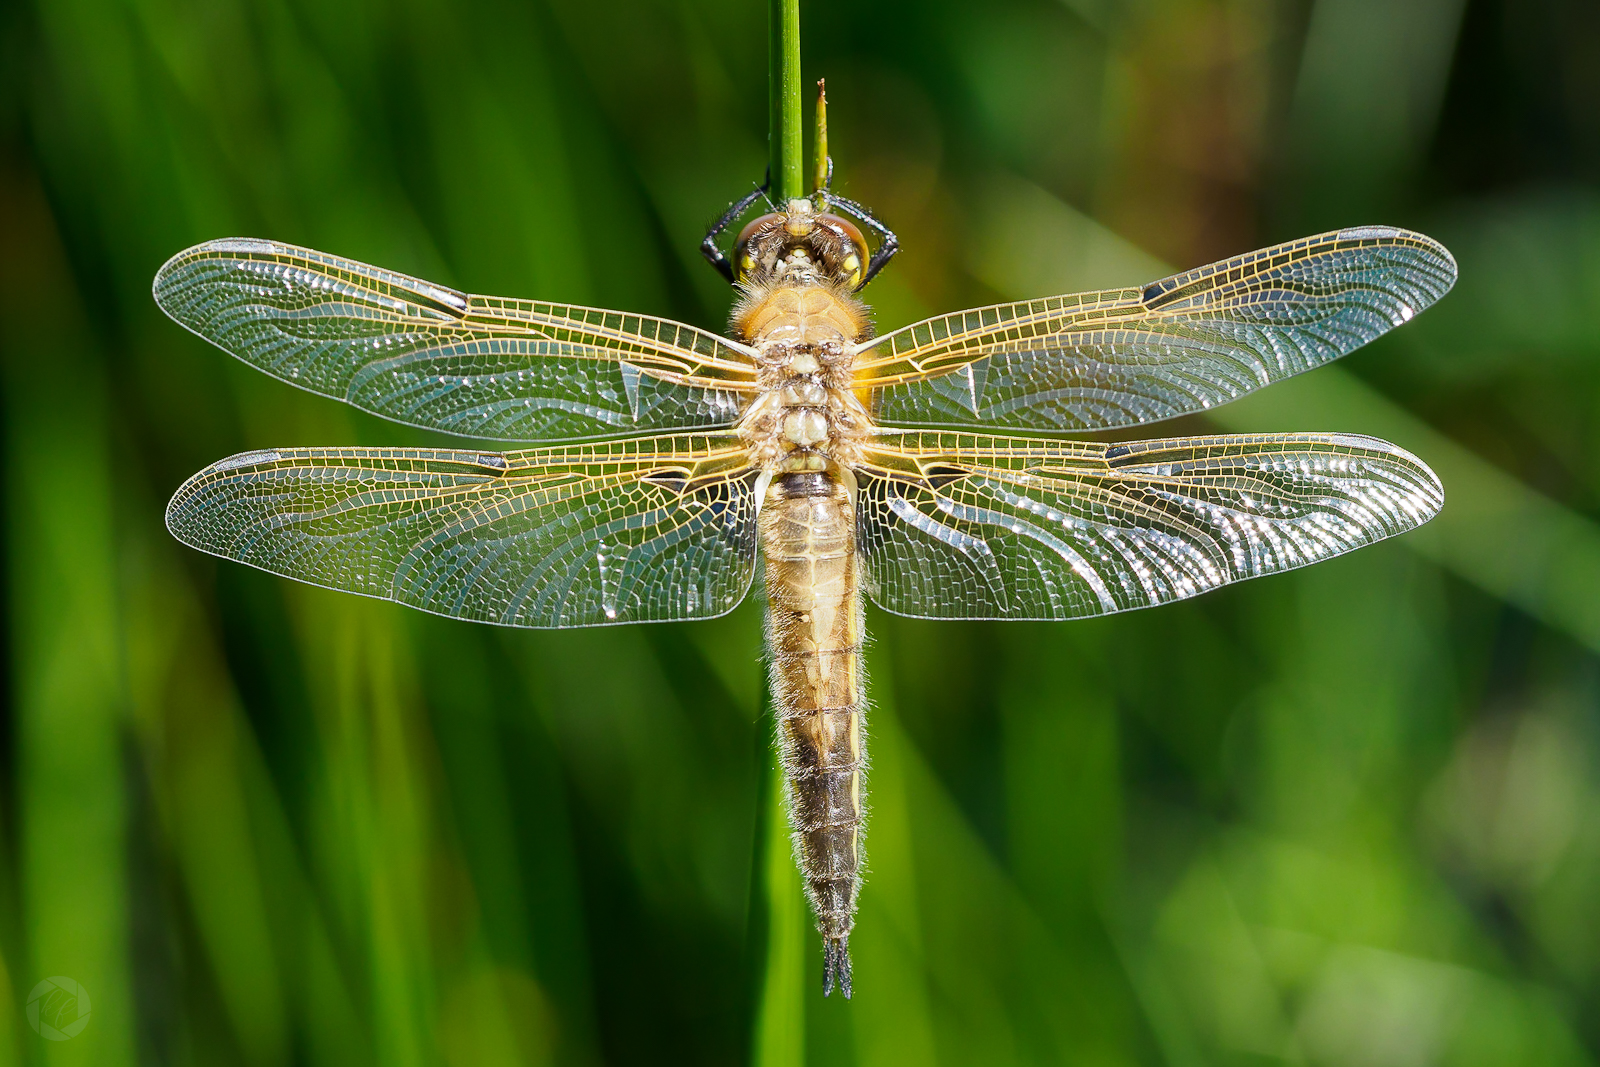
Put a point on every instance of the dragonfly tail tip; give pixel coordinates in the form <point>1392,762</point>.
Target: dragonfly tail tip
<point>836,966</point>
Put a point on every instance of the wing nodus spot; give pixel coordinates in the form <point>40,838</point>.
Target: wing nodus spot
<point>940,475</point>
<point>1155,291</point>
<point>676,481</point>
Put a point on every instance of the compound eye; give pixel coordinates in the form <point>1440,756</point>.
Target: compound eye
<point>763,222</point>
<point>744,261</point>
<point>853,260</point>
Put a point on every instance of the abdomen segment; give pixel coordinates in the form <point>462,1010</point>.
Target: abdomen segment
<point>814,633</point>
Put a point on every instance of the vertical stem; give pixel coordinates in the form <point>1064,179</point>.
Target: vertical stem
<point>780,1023</point>
<point>779,1038</point>
<point>785,135</point>
<point>822,135</point>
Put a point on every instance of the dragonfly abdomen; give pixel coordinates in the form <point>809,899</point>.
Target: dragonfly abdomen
<point>814,630</point>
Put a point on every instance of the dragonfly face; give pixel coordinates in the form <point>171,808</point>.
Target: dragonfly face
<point>803,244</point>
<point>921,467</point>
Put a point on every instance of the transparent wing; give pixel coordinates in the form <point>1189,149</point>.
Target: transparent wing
<point>643,530</point>
<point>957,526</point>
<point>429,356</point>
<point>1128,356</point>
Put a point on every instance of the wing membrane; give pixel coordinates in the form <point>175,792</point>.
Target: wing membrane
<point>1189,342</point>
<point>958,526</point>
<point>429,356</point>
<point>648,529</point>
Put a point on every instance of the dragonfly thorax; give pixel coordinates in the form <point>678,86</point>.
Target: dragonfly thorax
<point>807,417</point>
<point>797,270</point>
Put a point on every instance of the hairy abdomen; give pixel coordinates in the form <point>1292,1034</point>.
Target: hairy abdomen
<point>814,633</point>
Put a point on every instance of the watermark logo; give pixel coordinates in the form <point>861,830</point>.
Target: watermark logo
<point>58,1009</point>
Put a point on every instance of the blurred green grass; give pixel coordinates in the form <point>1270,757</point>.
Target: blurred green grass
<point>1342,816</point>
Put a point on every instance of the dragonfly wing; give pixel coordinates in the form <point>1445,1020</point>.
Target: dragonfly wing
<point>1189,342</point>
<point>643,530</point>
<point>956,526</point>
<point>429,356</point>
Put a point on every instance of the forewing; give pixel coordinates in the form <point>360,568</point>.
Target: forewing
<point>644,530</point>
<point>956,526</point>
<point>429,356</point>
<point>1179,345</point>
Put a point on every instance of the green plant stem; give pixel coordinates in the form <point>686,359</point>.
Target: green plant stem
<point>779,1024</point>
<point>821,140</point>
<point>785,135</point>
<point>780,1021</point>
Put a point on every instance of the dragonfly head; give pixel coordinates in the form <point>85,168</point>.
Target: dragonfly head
<point>801,244</point>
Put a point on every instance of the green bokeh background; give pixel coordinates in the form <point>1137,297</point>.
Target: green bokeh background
<point>1346,816</point>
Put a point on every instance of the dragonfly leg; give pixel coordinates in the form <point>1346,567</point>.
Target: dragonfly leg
<point>709,248</point>
<point>888,243</point>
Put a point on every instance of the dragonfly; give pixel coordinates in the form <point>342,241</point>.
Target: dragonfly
<point>922,468</point>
